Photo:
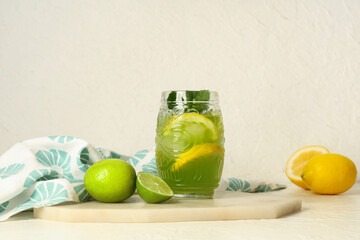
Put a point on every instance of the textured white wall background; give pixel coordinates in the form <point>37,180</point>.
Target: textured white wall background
<point>287,73</point>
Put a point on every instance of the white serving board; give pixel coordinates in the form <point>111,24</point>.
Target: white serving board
<point>224,206</point>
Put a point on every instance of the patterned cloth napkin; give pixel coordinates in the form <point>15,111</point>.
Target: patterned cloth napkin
<point>50,170</point>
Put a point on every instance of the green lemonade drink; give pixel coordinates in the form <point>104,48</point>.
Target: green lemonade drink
<point>190,143</point>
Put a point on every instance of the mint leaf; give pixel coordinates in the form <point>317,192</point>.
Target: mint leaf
<point>189,95</point>
<point>171,100</point>
<point>172,96</point>
<point>191,100</point>
<point>200,99</point>
<point>203,95</point>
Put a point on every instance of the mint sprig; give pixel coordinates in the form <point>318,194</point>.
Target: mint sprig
<point>191,98</point>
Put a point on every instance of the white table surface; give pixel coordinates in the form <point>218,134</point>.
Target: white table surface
<point>322,217</point>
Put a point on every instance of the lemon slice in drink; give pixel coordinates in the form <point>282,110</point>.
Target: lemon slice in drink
<point>296,163</point>
<point>152,189</point>
<point>198,152</point>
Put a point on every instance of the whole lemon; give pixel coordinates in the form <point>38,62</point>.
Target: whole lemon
<point>329,174</point>
<point>110,180</point>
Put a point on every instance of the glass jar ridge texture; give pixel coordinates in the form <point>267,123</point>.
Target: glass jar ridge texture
<point>190,142</point>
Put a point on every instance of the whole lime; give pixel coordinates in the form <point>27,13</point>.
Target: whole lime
<point>110,180</point>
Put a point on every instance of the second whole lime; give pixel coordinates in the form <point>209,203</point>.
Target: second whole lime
<point>110,180</point>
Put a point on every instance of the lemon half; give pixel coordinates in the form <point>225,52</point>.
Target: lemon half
<point>296,163</point>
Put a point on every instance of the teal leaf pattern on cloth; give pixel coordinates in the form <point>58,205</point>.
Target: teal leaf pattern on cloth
<point>45,194</point>
<point>262,188</point>
<point>11,170</point>
<point>58,160</point>
<point>79,188</point>
<point>40,175</point>
<point>133,161</point>
<point>3,206</point>
<point>82,193</point>
<point>138,157</point>
<point>62,139</point>
<point>83,159</point>
<point>109,154</point>
<point>141,154</point>
<point>150,167</point>
<point>236,184</point>
<point>115,155</point>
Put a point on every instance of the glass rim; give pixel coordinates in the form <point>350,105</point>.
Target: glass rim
<point>214,96</point>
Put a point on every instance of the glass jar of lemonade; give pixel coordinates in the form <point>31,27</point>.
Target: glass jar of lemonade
<point>190,142</point>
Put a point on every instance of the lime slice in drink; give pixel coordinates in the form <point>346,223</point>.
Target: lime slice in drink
<point>152,188</point>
